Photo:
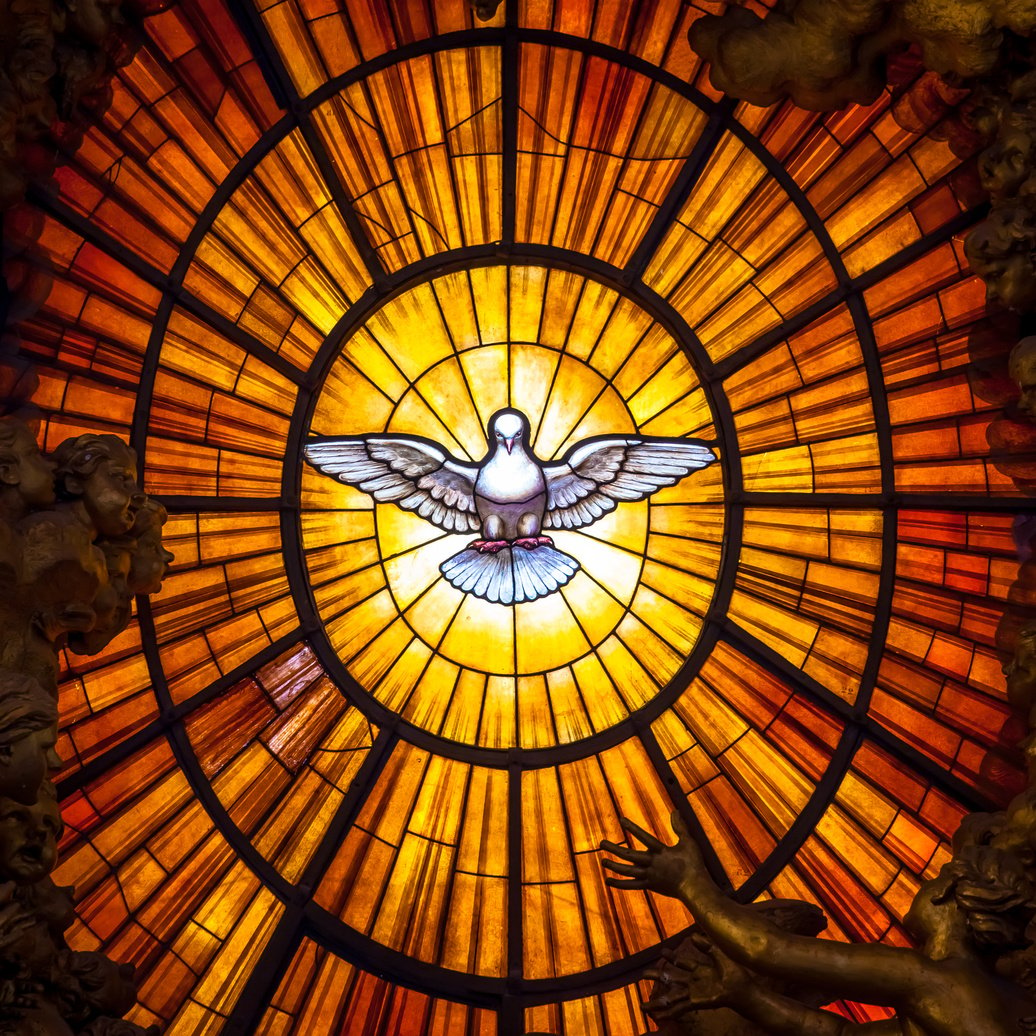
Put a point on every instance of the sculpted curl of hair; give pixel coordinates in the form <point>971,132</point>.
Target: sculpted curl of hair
<point>80,457</point>
<point>996,893</point>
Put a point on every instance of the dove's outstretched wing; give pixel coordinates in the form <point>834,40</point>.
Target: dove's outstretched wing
<point>412,473</point>
<point>597,474</point>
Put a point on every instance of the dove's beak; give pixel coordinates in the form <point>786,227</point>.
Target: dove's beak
<point>509,443</point>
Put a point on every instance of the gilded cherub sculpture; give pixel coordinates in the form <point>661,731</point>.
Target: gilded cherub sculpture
<point>78,539</point>
<point>1022,370</point>
<point>26,476</point>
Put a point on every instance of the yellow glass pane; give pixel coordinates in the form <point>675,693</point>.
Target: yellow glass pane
<point>449,395</point>
<point>481,636</point>
<point>595,609</point>
<point>432,613</point>
<point>411,573</point>
<point>546,635</point>
<point>575,388</point>
<point>613,568</point>
<point>532,374</point>
<point>487,367</point>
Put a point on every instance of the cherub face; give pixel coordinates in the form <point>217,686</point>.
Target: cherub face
<point>29,839</point>
<point>485,9</point>
<point>150,559</point>
<point>1009,278</point>
<point>150,564</point>
<point>29,470</point>
<point>94,19</point>
<point>1023,374</point>
<point>53,904</point>
<point>104,985</point>
<point>110,493</point>
<point>1005,166</point>
<point>25,763</point>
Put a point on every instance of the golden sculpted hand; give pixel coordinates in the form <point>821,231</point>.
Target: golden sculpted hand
<point>690,984</point>
<point>665,869</point>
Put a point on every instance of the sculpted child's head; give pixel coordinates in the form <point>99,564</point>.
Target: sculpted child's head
<point>29,837</point>
<point>101,472</point>
<point>28,733</point>
<point>1000,251</point>
<point>984,895</point>
<point>91,984</point>
<point>150,560</point>
<point>1022,368</point>
<point>26,476</point>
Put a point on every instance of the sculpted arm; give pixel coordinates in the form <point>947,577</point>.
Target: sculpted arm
<point>781,1016</point>
<point>687,985</point>
<point>870,973</point>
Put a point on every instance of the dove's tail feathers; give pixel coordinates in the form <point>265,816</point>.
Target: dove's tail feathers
<point>512,575</point>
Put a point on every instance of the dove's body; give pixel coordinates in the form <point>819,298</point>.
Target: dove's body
<point>510,497</point>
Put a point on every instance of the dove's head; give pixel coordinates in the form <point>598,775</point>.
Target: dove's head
<point>506,428</point>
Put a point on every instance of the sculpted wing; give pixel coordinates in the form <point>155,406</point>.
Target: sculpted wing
<point>599,473</point>
<point>410,472</point>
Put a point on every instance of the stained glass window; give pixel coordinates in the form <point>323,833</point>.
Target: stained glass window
<point>314,786</point>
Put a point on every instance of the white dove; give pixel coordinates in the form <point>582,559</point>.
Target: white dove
<point>510,497</point>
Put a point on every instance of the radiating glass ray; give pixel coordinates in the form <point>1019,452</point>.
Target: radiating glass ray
<point>593,312</point>
<point>596,610</point>
<point>399,530</point>
<point>454,295</point>
<point>566,811</point>
<point>427,820</point>
<point>431,614</point>
<point>532,370</point>
<point>574,390</point>
<point>489,287</point>
<point>377,363</point>
<point>417,145</point>
<point>619,1012</point>
<point>621,338</point>
<point>624,527</point>
<point>449,395</point>
<point>481,636</point>
<point>322,994</point>
<point>415,416</point>
<point>526,302</point>
<point>411,573</point>
<point>547,635</point>
<point>350,404</point>
<point>617,570</point>
<point>607,415</point>
<point>565,149</point>
<point>487,367</point>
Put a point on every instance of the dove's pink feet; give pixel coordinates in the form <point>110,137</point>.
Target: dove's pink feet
<point>488,546</point>
<point>532,542</point>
